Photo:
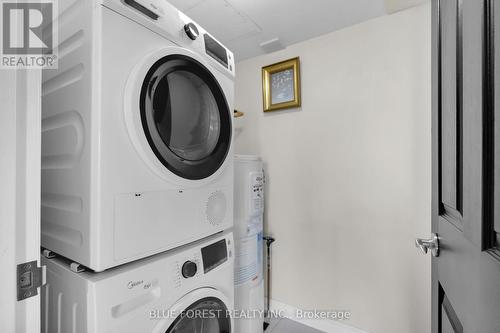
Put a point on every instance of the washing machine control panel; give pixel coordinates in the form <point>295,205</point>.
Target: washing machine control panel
<point>189,269</point>
<point>192,265</point>
<point>186,268</point>
<point>191,30</point>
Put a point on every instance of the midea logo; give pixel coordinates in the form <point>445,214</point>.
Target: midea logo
<point>133,284</point>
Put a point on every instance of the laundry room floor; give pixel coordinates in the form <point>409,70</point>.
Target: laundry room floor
<point>289,326</point>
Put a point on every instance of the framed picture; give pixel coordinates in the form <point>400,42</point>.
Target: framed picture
<point>281,85</point>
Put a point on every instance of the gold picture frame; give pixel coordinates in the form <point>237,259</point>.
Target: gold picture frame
<point>279,91</point>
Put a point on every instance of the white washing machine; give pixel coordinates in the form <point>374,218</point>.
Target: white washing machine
<point>136,134</point>
<point>182,291</point>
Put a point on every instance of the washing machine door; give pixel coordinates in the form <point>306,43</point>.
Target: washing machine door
<point>208,315</point>
<point>185,117</point>
<point>202,311</point>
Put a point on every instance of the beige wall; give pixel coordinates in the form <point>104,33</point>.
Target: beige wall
<point>349,172</point>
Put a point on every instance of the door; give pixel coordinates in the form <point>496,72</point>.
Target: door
<point>20,200</point>
<point>185,117</point>
<point>466,168</point>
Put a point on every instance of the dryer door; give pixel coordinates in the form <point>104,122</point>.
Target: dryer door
<point>185,117</point>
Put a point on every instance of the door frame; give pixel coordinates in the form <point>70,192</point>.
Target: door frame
<point>435,95</point>
<point>20,142</point>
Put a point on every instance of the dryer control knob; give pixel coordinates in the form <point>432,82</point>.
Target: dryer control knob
<point>189,269</point>
<point>191,30</point>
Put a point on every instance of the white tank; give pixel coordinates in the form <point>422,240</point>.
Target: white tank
<point>249,249</point>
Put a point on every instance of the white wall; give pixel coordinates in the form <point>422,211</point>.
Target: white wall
<point>392,6</point>
<point>349,173</point>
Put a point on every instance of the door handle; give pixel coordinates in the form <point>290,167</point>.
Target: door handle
<point>147,8</point>
<point>431,244</point>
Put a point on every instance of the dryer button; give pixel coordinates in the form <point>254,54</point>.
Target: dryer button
<point>191,30</point>
<point>189,269</point>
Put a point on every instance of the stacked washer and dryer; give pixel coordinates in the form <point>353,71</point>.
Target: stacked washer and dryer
<point>137,161</point>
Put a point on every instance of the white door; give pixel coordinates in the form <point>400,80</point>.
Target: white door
<point>20,112</point>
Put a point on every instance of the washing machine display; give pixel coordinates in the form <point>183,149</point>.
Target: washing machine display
<point>214,255</point>
<point>186,117</point>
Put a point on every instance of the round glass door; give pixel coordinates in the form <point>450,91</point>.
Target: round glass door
<point>208,315</point>
<point>185,117</point>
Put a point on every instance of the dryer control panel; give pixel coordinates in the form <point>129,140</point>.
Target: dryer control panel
<point>198,38</point>
<point>166,20</point>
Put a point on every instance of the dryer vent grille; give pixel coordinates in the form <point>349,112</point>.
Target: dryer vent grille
<point>216,208</point>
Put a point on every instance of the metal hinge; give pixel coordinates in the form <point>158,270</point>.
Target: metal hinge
<point>29,278</point>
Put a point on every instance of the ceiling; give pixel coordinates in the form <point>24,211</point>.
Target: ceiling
<point>244,25</point>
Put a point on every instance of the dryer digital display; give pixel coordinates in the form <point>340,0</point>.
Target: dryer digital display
<point>215,50</point>
<point>214,255</point>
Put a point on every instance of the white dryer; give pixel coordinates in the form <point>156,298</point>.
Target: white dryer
<point>136,134</point>
<point>183,291</point>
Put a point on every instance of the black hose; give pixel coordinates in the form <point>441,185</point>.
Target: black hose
<point>269,241</point>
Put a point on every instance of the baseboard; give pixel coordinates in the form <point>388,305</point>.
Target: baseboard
<point>325,325</point>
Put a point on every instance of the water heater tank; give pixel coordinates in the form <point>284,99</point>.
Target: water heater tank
<point>249,249</point>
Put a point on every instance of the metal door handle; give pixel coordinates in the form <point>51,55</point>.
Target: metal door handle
<point>429,244</point>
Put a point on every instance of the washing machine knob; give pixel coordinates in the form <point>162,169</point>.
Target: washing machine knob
<point>191,30</point>
<point>189,269</point>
